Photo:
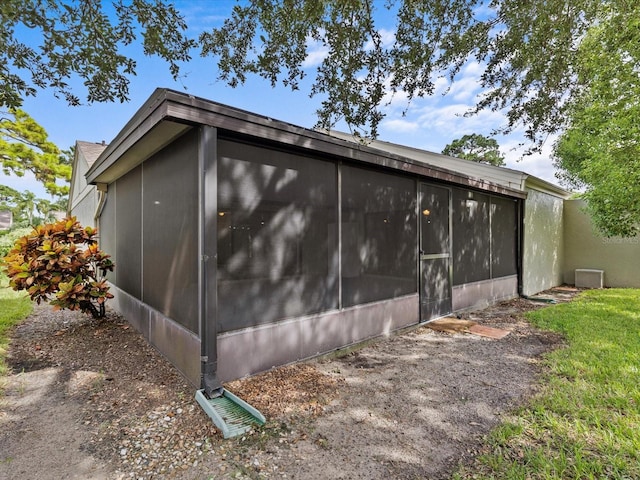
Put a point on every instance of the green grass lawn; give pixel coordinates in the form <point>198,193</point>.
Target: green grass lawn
<point>585,421</point>
<point>14,306</point>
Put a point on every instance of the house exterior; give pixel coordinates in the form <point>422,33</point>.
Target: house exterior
<point>6,219</point>
<point>242,242</point>
<point>84,198</point>
<point>617,258</point>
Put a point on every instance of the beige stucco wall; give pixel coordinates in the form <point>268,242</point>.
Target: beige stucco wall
<point>543,242</point>
<point>585,248</point>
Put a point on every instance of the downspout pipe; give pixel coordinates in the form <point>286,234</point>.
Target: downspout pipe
<point>207,265</point>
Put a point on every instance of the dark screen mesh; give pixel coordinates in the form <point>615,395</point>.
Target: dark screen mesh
<point>379,238</point>
<point>277,235</point>
<point>471,243</point>
<point>107,230</point>
<point>128,228</point>
<point>434,220</point>
<point>503,237</point>
<point>170,231</point>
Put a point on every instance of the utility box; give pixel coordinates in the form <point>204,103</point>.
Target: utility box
<point>589,278</point>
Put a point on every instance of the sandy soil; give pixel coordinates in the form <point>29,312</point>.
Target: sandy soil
<point>91,400</point>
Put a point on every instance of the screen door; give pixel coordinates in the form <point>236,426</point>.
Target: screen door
<point>435,251</point>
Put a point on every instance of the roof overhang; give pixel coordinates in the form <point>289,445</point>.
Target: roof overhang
<point>168,114</point>
<point>535,183</point>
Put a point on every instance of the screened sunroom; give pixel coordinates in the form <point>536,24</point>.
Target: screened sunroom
<point>242,243</point>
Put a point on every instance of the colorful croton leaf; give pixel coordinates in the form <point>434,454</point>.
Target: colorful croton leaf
<point>61,263</point>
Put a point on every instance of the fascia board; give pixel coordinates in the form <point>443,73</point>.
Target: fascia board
<point>183,111</point>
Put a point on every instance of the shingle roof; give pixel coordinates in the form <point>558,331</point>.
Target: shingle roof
<point>90,150</point>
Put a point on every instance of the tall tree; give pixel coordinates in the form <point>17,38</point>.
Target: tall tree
<point>600,150</point>
<point>25,147</point>
<point>477,148</point>
<point>45,43</point>
<point>27,204</point>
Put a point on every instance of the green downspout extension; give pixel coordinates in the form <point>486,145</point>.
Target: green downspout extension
<point>539,299</point>
<point>207,270</point>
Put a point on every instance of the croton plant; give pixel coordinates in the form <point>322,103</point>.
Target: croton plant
<point>61,263</point>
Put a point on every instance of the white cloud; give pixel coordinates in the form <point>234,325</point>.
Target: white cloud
<point>25,183</point>
<point>400,126</point>
<point>317,53</point>
<point>387,38</point>
<point>449,120</point>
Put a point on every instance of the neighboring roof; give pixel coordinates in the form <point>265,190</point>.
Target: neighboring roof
<point>168,114</point>
<point>90,151</point>
<point>85,155</point>
<point>506,177</point>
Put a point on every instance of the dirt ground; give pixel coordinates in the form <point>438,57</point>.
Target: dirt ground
<point>92,400</point>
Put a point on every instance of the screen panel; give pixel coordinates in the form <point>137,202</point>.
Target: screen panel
<point>504,234</point>
<point>277,235</point>
<point>379,236</point>
<point>471,236</point>
<point>129,230</point>
<point>170,231</point>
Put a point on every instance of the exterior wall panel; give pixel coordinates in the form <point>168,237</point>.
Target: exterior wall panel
<point>486,292</point>
<point>542,256</point>
<point>176,343</point>
<point>253,350</point>
<point>585,248</point>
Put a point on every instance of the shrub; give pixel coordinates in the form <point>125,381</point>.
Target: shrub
<point>8,239</point>
<point>60,263</point>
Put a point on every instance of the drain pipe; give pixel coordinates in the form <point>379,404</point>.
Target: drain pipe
<point>207,266</point>
<point>232,415</point>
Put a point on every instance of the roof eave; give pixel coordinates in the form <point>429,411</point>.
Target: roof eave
<point>168,114</point>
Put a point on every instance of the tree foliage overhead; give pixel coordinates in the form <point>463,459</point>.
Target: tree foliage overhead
<point>46,43</point>
<point>527,50</point>
<point>25,147</point>
<point>477,148</point>
<point>545,64</point>
<point>600,150</point>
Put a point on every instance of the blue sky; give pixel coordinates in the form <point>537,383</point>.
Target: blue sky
<point>428,123</point>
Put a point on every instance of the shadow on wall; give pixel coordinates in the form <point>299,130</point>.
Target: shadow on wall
<point>543,242</point>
